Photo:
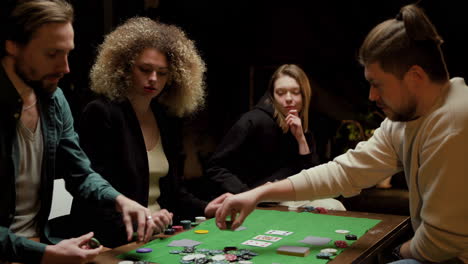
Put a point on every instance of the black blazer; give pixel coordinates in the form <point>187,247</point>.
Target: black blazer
<point>111,136</point>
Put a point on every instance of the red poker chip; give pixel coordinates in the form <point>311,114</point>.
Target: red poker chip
<point>321,210</point>
<point>341,244</point>
<point>178,228</point>
<point>230,257</point>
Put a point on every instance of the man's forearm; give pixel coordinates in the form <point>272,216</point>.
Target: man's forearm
<point>277,191</point>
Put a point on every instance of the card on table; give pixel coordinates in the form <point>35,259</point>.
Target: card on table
<point>184,243</point>
<point>267,238</point>
<point>256,243</point>
<point>316,241</point>
<point>278,232</point>
<point>240,228</point>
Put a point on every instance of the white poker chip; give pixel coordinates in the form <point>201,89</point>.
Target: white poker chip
<point>245,262</point>
<point>218,257</point>
<point>199,256</point>
<point>126,262</point>
<point>329,250</point>
<point>200,219</point>
<point>189,257</point>
<point>342,231</point>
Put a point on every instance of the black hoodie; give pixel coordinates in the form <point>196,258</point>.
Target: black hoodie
<point>256,151</point>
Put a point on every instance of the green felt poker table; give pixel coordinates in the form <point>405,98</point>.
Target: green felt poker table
<point>374,232</point>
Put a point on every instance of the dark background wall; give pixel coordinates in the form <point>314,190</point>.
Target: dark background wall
<point>243,41</point>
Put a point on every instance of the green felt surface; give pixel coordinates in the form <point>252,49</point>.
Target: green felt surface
<point>260,221</point>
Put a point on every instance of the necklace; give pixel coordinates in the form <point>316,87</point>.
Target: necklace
<point>29,106</point>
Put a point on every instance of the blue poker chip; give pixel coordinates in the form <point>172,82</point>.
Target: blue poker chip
<point>144,250</point>
<point>175,251</point>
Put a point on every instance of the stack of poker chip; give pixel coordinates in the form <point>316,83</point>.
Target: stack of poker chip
<point>203,255</point>
<point>186,224</point>
<point>200,219</point>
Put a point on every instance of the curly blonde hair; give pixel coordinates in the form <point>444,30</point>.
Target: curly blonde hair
<point>110,76</point>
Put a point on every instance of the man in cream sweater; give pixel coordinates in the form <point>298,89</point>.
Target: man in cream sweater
<point>425,135</point>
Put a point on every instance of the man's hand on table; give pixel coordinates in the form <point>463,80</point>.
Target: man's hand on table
<point>71,251</point>
<point>237,206</point>
<point>213,206</point>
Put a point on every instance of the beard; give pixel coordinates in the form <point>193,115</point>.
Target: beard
<point>40,86</point>
<point>402,115</point>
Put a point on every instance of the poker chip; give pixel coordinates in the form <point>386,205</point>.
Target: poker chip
<point>226,249</point>
<point>309,208</point>
<point>322,255</point>
<point>332,251</point>
<point>230,257</point>
<point>218,257</point>
<point>187,224</point>
<point>189,249</point>
<point>341,244</point>
<point>126,262</point>
<point>178,228</point>
<point>169,231</point>
<point>246,256</point>
<point>341,231</point>
<point>200,219</point>
<point>94,243</point>
<point>321,210</point>
<point>244,262</point>
<point>144,250</point>
<point>189,257</point>
<point>351,237</point>
<point>175,251</point>
<point>201,231</point>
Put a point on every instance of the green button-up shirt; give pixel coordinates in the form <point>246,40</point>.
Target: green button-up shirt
<point>62,157</point>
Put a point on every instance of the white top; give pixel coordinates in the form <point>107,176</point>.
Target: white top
<point>433,152</point>
<point>28,181</point>
<point>158,168</point>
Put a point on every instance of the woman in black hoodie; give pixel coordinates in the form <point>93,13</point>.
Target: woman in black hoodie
<point>270,142</point>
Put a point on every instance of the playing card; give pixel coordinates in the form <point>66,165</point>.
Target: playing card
<point>256,243</point>
<point>240,228</point>
<point>317,241</point>
<point>184,243</point>
<point>267,238</point>
<point>278,232</point>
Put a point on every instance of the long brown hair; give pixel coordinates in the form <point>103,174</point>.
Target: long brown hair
<point>407,40</point>
<point>300,76</point>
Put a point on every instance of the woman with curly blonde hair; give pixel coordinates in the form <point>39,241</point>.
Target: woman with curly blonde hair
<point>148,75</point>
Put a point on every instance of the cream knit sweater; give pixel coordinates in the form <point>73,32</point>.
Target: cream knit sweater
<point>433,152</point>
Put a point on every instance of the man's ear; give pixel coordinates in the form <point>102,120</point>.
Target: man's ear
<point>11,47</point>
<point>417,73</point>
